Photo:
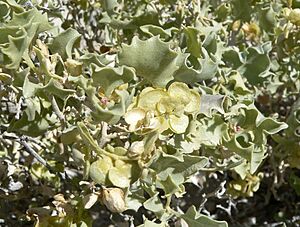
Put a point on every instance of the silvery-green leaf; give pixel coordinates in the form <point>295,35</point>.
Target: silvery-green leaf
<point>135,199</point>
<point>33,128</point>
<point>254,63</point>
<point>206,68</point>
<point>209,132</point>
<point>4,10</point>
<point>194,45</point>
<point>113,114</point>
<point>99,170</point>
<point>120,176</point>
<point>153,30</point>
<point>208,103</point>
<point>33,107</point>
<point>169,186</point>
<point>157,66</point>
<point>194,219</point>
<point>154,204</point>
<point>19,33</point>
<point>64,43</point>
<point>100,60</point>
<point>110,78</point>
<point>54,87</point>
<point>167,165</point>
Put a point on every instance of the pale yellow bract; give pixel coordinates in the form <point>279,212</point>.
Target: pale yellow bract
<point>157,109</point>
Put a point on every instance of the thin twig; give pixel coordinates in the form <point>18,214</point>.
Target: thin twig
<point>56,109</point>
<point>19,108</point>
<point>32,152</point>
<point>22,141</point>
<point>104,137</point>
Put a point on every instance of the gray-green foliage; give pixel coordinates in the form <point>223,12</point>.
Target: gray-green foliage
<point>171,92</point>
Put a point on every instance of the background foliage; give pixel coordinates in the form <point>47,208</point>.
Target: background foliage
<point>149,113</point>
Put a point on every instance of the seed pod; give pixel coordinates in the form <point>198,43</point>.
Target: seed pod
<point>114,199</point>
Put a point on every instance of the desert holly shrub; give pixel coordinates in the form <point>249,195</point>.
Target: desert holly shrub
<point>149,113</point>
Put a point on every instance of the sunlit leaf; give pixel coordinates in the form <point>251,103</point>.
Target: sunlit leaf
<point>157,66</point>
<point>194,219</point>
<point>64,42</point>
<point>99,170</point>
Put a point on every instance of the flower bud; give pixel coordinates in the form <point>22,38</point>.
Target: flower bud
<point>114,199</point>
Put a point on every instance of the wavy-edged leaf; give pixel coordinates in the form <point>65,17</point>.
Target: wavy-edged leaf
<point>208,132</point>
<point>54,87</point>
<point>257,63</point>
<point>85,135</point>
<point>208,103</point>
<point>135,198</point>
<point>18,34</point>
<point>33,107</point>
<point>99,170</point>
<point>15,49</point>
<point>153,30</point>
<point>100,60</point>
<point>15,6</point>
<point>242,144</point>
<point>194,219</point>
<point>120,177</point>
<point>157,66</point>
<point>169,186</point>
<point>4,10</point>
<point>254,63</point>
<point>194,45</point>
<point>110,78</point>
<point>112,114</point>
<point>206,68</point>
<point>64,42</point>
<point>34,128</point>
<point>179,170</point>
<point>30,88</point>
<point>154,204</point>
<point>253,118</point>
<point>237,81</point>
<point>30,17</point>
